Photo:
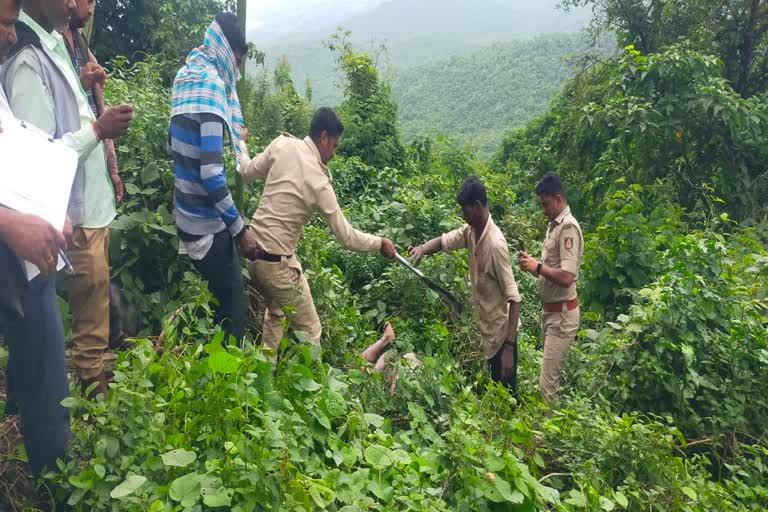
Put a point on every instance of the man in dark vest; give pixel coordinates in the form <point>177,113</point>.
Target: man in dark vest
<point>44,90</point>
<point>36,373</point>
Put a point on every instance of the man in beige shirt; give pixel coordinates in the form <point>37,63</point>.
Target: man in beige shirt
<point>298,184</point>
<point>494,290</point>
<point>558,273</point>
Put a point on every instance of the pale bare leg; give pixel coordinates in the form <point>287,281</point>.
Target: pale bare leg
<point>374,352</point>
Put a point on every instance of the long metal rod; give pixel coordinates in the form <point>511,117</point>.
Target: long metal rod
<point>444,294</point>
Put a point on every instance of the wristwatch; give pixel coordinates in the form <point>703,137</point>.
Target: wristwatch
<point>538,269</point>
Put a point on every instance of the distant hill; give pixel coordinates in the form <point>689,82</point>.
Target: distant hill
<point>479,96</point>
<point>415,32</point>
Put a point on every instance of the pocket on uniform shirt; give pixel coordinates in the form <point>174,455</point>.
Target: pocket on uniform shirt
<point>550,248</point>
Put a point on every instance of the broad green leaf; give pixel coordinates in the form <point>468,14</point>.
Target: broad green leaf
<point>157,506</point>
<point>417,412</point>
<point>690,493</point>
<point>576,498</point>
<point>310,385</point>
<point>378,456</point>
<point>494,463</point>
<point>621,499</point>
<point>185,489</point>
<point>374,419</point>
<point>219,499</point>
<point>179,458</point>
<point>132,189</point>
<point>128,486</point>
<point>335,404</point>
<point>224,363</point>
<point>322,419</point>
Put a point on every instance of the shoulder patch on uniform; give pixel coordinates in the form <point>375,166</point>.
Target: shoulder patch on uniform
<point>568,243</point>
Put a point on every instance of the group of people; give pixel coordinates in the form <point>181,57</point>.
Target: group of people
<point>49,78</point>
<point>298,183</point>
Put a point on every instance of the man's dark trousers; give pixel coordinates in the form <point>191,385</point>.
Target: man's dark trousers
<point>222,269</point>
<point>37,374</point>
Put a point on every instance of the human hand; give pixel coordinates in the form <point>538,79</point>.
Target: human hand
<point>417,253</point>
<point>92,74</point>
<point>244,134</point>
<point>249,247</point>
<point>527,263</point>
<point>117,184</point>
<point>114,123</point>
<point>36,241</point>
<point>388,249</point>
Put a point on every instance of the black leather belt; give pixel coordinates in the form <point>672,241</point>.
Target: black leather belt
<point>272,258</point>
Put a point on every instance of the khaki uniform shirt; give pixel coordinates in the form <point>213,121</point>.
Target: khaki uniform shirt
<point>493,284</point>
<point>563,249</point>
<point>297,185</point>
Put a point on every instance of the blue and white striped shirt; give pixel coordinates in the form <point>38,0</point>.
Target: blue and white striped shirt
<point>204,205</point>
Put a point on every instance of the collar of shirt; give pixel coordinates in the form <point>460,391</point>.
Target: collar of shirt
<point>560,218</point>
<point>313,147</point>
<point>47,38</point>
<point>55,44</point>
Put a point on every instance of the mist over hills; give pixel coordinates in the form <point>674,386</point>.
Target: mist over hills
<point>455,42</point>
<point>480,96</point>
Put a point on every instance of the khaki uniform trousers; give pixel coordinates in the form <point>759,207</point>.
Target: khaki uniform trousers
<point>559,331</point>
<point>283,285</point>
<point>89,299</point>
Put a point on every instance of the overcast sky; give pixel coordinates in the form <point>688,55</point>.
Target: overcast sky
<point>287,15</point>
<point>262,12</point>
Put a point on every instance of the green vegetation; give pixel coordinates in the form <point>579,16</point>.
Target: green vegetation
<point>662,405</point>
<point>414,34</point>
<point>477,97</point>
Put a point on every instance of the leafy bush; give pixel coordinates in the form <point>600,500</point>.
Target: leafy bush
<point>622,255</point>
<point>183,430</point>
<point>368,111</point>
<point>694,344</point>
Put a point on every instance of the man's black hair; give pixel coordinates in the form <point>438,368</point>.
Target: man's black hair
<point>231,27</point>
<point>550,185</point>
<point>472,192</point>
<point>325,120</point>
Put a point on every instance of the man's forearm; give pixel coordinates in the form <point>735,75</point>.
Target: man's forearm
<point>109,146</point>
<point>514,320</point>
<point>558,276</point>
<point>433,246</point>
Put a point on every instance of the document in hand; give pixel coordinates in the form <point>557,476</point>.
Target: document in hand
<point>36,174</point>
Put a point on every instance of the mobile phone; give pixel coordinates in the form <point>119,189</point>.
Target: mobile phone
<point>521,245</point>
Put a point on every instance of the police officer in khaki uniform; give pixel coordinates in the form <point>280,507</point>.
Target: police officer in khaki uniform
<point>558,272</point>
<point>298,184</point>
<point>494,290</point>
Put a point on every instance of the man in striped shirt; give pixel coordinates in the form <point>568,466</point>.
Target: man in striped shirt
<point>207,220</point>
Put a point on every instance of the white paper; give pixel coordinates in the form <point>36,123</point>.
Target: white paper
<point>36,175</point>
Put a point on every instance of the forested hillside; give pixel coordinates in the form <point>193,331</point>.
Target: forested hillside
<point>478,97</point>
<point>417,32</point>
<point>662,150</point>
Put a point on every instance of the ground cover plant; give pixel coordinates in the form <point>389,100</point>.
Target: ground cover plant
<point>662,403</point>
